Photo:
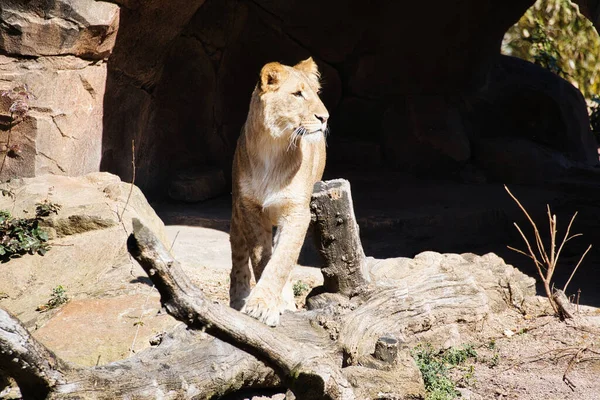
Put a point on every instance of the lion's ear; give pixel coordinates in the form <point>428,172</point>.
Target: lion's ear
<point>309,67</point>
<point>271,76</point>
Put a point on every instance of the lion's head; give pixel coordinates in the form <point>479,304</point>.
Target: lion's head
<point>287,101</point>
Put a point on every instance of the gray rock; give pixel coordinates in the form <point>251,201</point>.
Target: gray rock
<point>85,28</point>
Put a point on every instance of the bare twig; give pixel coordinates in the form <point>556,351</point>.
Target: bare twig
<point>572,362</point>
<point>132,179</point>
<point>139,322</point>
<point>575,270</point>
<point>548,256</point>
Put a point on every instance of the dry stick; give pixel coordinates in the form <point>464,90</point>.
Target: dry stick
<point>538,239</point>
<point>567,237</point>
<point>573,361</point>
<point>132,178</point>
<point>539,267</point>
<point>533,359</point>
<point>311,373</point>
<point>565,352</point>
<point>573,273</point>
<point>139,322</point>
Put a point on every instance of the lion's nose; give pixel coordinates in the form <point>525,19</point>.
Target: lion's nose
<point>322,118</point>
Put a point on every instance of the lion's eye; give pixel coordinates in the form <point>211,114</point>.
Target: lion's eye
<point>298,93</point>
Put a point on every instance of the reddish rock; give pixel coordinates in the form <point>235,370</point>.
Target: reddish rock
<point>62,132</point>
<point>98,331</point>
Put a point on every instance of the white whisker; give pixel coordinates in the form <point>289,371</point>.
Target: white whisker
<point>294,138</point>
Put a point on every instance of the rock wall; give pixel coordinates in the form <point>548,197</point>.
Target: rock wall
<point>399,78</point>
<point>59,50</point>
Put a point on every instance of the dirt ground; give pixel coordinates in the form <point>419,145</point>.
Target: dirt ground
<point>531,358</point>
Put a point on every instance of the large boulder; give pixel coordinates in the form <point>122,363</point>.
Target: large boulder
<point>530,125</point>
<point>109,292</point>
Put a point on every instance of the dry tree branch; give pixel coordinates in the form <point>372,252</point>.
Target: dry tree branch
<point>310,371</point>
<point>572,362</point>
<point>576,267</point>
<point>549,256</point>
<point>538,239</point>
<point>566,237</point>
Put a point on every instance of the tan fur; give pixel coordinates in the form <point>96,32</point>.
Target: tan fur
<point>279,156</point>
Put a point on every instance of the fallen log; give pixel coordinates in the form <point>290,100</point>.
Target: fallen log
<point>353,344</point>
<point>310,372</point>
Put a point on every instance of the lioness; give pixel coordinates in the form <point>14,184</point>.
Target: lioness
<point>279,156</point>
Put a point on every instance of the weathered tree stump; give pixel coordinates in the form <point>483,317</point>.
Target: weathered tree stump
<point>353,347</point>
<point>337,234</point>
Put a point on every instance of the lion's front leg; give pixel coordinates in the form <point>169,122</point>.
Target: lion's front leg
<point>266,301</point>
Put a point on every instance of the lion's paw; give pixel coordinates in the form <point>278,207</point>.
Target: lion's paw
<point>263,307</point>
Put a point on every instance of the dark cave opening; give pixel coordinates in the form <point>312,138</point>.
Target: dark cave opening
<point>425,123</point>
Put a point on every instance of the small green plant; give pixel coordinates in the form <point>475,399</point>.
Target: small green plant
<point>57,298</point>
<point>435,366</point>
<point>45,208</point>
<point>456,356</point>
<point>19,236</point>
<point>494,361</point>
<point>300,288</point>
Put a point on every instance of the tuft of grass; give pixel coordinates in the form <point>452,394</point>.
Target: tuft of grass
<point>57,298</point>
<point>300,288</point>
<point>435,366</point>
<point>495,360</point>
<point>45,208</point>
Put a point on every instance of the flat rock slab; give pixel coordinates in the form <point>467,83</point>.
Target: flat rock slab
<point>89,255</point>
<point>98,331</point>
